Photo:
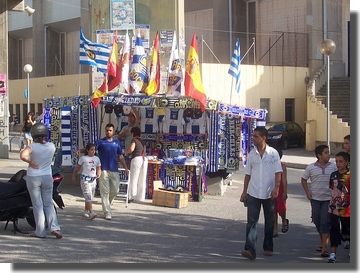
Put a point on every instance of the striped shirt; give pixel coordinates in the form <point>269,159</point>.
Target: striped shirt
<point>319,178</point>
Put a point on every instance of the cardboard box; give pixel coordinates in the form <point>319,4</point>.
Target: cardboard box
<point>172,199</point>
<point>157,184</point>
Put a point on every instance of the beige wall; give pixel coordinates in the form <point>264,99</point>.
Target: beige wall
<point>47,87</point>
<point>273,82</point>
<point>316,129</point>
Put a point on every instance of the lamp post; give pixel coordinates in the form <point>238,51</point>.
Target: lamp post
<point>328,48</point>
<point>27,69</point>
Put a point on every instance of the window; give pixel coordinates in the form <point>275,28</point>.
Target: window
<point>289,109</point>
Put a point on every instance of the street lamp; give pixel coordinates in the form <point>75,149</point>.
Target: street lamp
<point>328,48</point>
<point>27,69</point>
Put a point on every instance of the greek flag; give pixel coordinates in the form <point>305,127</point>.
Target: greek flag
<point>94,54</point>
<point>234,69</point>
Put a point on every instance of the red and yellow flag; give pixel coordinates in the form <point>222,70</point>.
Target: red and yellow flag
<point>113,77</point>
<point>154,75</point>
<point>193,84</point>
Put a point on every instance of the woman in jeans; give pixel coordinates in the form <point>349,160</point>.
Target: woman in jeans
<point>39,181</point>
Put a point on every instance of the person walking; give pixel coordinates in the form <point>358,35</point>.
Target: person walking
<point>261,186</point>
<point>91,170</point>
<point>138,166</point>
<point>28,123</point>
<point>319,194</point>
<point>339,208</point>
<point>280,201</point>
<point>110,152</point>
<point>39,181</point>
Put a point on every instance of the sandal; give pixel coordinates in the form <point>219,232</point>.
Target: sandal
<point>57,234</point>
<point>285,228</point>
<point>324,254</point>
<point>33,234</point>
<point>319,249</point>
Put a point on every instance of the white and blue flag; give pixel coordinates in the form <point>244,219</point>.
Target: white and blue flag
<point>234,69</point>
<point>138,77</point>
<point>94,54</point>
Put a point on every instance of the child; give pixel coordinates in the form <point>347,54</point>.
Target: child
<point>90,172</point>
<point>319,193</point>
<point>339,208</point>
<point>280,201</point>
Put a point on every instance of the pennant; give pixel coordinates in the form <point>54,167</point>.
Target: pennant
<point>193,84</point>
<point>234,69</point>
<point>154,77</point>
<point>93,54</point>
<point>125,64</point>
<point>99,93</point>
<point>138,72</point>
<point>175,71</point>
<point>112,79</point>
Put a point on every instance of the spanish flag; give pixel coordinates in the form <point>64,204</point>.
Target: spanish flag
<point>193,84</point>
<point>154,74</point>
<point>112,78</point>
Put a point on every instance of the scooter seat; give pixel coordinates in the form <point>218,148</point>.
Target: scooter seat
<point>15,185</point>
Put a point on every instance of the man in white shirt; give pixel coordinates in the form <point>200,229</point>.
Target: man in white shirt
<point>261,186</point>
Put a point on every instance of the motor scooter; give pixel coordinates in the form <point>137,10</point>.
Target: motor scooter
<point>15,201</point>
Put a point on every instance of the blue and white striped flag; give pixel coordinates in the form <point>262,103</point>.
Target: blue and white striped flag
<point>234,69</point>
<point>138,77</point>
<point>94,54</point>
<point>175,77</point>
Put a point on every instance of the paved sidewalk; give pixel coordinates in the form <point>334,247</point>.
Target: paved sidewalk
<point>208,232</point>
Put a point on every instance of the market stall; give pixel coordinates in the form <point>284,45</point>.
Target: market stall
<point>183,143</point>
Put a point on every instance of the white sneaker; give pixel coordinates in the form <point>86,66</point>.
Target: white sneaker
<point>347,244</point>
<point>92,215</point>
<point>86,214</point>
<point>108,216</point>
<point>332,258</point>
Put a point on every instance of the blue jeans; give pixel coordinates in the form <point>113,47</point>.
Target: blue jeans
<point>41,191</point>
<point>253,212</point>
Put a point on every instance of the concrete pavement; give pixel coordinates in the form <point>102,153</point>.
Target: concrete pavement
<point>207,232</point>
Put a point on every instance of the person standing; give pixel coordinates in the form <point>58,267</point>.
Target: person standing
<point>39,181</point>
<point>339,208</point>
<point>280,201</point>
<point>319,194</point>
<point>91,170</point>
<point>261,186</point>
<point>28,123</point>
<point>110,152</point>
<point>346,146</point>
<point>133,121</point>
<point>344,223</point>
<point>138,166</point>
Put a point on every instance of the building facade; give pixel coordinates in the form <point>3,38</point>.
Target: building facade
<point>280,42</point>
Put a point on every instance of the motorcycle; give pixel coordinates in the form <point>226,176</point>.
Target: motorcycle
<point>15,202</point>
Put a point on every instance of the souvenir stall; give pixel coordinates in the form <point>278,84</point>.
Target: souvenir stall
<point>182,142</point>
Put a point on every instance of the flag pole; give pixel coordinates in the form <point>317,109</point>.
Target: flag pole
<point>248,51</point>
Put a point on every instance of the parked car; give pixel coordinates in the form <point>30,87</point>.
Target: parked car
<point>282,134</point>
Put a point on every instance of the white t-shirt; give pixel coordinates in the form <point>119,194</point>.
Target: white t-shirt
<point>149,120</point>
<point>89,164</point>
<point>262,172</point>
<point>174,121</point>
<point>42,155</point>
